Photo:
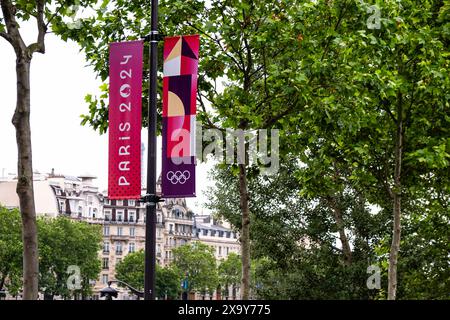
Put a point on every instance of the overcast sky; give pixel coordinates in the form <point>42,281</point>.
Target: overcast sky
<point>59,81</point>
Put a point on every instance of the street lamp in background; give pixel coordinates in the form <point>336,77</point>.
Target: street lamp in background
<point>185,286</point>
<point>109,292</point>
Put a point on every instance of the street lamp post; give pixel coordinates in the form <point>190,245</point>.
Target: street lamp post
<point>151,199</point>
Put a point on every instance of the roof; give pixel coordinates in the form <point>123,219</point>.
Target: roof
<point>211,227</point>
<point>87,176</point>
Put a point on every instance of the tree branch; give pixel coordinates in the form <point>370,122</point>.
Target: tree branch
<point>12,27</point>
<point>202,104</point>
<point>55,14</point>
<point>336,26</point>
<point>6,36</point>
<point>270,122</point>
<point>39,46</point>
<point>217,41</point>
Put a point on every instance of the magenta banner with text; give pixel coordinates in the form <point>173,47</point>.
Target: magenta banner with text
<point>125,114</point>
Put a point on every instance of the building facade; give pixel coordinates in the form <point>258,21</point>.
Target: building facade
<point>122,221</point>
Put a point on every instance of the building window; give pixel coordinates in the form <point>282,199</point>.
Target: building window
<point>228,250</point>
<point>131,247</point>
<point>104,279</point>
<point>221,234</point>
<point>119,215</point>
<point>170,228</point>
<point>205,232</point>
<point>119,202</point>
<point>228,234</point>
<point>105,263</point>
<point>106,230</point>
<point>61,206</point>
<point>131,203</point>
<point>177,213</point>
<point>132,232</point>
<point>107,215</point>
<point>220,251</point>
<point>131,216</point>
<point>158,218</point>
<point>118,248</point>
<point>105,247</point>
<point>119,231</point>
<point>94,213</point>
<point>213,233</point>
<point>107,202</point>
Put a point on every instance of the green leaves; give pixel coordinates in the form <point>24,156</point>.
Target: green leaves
<point>62,243</point>
<point>131,270</point>
<point>196,261</point>
<point>10,250</point>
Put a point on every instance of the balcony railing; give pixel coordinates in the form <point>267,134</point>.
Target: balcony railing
<point>183,233</point>
<point>119,253</point>
<point>180,218</point>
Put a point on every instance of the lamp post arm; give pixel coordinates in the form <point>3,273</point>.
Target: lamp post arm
<point>135,291</point>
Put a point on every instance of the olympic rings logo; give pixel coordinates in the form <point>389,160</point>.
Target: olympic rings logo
<point>178,176</point>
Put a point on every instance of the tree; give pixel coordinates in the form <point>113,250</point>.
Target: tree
<point>196,261</point>
<point>168,283</point>
<point>13,13</point>
<point>385,119</point>
<point>363,108</point>
<point>66,247</point>
<point>131,271</point>
<point>251,44</point>
<point>230,273</point>
<point>10,250</point>
<point>295,248</point>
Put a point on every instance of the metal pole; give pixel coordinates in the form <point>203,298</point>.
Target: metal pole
<point>150,225</point>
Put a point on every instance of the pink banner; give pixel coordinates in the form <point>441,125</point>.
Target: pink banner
<point>125,113</point>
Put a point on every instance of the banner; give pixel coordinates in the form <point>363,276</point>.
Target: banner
<point>125,113</point>
<point>179,109</point>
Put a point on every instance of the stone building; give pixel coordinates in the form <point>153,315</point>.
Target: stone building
<point>123,221</point>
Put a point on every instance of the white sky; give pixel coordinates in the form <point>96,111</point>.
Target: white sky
<point>59,82</point>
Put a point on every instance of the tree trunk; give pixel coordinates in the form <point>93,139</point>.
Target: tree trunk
<point>245,233</point>
<point>397,197</point>
<point>21,121</point>
<point>2,281</point>
<point>346,250</point>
